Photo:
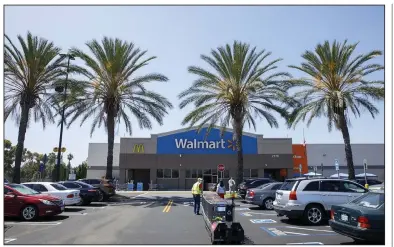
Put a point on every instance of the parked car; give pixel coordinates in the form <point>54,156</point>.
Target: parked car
<point>105,186</point>
<point>312,199</point>
<point>5,181</point>
<point>21,201</point>
<point>377,187</point>
<point>69,197</point>
<point>369,181</point>
<point>87,192</point>
<point>250,184</point>
<point>263,196</point>
<point>362,219</point>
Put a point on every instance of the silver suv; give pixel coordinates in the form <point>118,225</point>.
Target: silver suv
<point>311,199</point>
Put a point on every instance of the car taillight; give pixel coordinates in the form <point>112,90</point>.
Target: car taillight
<point>92,190</point>
<point>293,195</point>
<point>332,214</point>
<point>251,193</point>
<point>70,196</point>
<point>363,222</point>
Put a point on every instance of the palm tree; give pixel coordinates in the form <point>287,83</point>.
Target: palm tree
<point>30,74</point>
<point>239,89</point>
<point>70,156</point>
<point>112,88</point>
<point>337,87</point>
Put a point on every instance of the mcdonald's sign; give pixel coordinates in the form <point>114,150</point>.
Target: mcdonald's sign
<point>138,148</point>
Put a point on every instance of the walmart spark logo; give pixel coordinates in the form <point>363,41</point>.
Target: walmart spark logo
<point>231,145</point>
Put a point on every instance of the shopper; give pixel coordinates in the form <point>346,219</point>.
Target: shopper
<point>197,192</point>
<point>231,185</point>
<point>221,190</point>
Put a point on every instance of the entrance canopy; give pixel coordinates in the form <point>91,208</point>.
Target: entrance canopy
<point>361,175</point>
<point>341,175</point>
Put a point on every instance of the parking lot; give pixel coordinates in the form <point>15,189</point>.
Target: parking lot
<point>159,218</point>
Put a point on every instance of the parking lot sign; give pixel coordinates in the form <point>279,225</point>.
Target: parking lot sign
<point>336,165</point>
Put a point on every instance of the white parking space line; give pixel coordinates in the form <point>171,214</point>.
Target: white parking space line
<point>307,243</point>
<point>7,240</point>
<point>252,213</point>
<point>73,214</point>
<point>139,195</point>
<point>301,228</point>
<point>297,233</point>
<point>86,207</point>
<point>53,223</point>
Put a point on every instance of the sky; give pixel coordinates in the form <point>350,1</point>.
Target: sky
<point>178,35</point>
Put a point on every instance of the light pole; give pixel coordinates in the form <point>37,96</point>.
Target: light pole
<point>59,89</point>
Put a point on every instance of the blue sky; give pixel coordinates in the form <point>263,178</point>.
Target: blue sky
<point>177,35</point>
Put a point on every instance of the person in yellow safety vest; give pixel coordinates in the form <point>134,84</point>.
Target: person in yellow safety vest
<point>197,191</point>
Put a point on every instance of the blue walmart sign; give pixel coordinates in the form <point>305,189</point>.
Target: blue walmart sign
<point>191,142</point>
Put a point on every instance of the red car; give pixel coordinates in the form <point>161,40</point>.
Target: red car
<point>21,201</point>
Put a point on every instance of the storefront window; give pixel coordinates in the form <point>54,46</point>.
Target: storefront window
<point>254,173</point>
<point>194,173</point>
<point>207,171</point>
<point>188,174</point>
<point>160,173</point>
<point>199,173</point>
<point>246,173</point>
<point>175,173</point>
<point>226,174</point>
<point>214,172</point>
<point>167,173</point>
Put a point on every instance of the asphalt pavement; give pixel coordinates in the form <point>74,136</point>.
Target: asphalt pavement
<point>159,218</point>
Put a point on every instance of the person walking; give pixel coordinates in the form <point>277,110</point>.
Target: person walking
<point>221,190</point>
<point>197,192</point>
<point>231,185</point>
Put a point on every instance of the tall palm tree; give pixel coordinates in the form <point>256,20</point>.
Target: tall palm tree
<point>241,87</point>
<point>336,87</point>
<point>30,73</point>
<point>112,88</point>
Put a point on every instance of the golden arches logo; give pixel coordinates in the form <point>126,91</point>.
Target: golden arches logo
<point>138,148</point>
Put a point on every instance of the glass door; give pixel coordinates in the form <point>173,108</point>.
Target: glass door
<point>215,179</point>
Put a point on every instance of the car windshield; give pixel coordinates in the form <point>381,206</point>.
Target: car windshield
<point>84,185</point>
<point>288,185</point>
<point>59,187</point>
<point>262,186</point>
<point>23,189</point>
<point>370,200</point>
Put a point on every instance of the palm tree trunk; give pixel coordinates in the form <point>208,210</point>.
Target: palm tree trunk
<point>16,178</point>
<point>240,156</point>
<point>111,139</point>
<point>348,147</point>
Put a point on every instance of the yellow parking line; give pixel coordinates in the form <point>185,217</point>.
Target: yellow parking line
<point>168,207</point>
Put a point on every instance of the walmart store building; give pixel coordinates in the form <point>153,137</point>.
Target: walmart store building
<point>175,159</point>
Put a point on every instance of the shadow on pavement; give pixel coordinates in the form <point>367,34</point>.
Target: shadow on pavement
<point>71,209</point>
<point>299,222</point>
<point>39,219</point>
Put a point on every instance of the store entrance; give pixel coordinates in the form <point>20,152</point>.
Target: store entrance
<point>207,181</point>
<point>273,174</point>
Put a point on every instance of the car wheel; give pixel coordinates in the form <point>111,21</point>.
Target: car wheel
<point>101,196</point>
<point>314,214</point>
<point>29,212</point>
<point>268,204</point>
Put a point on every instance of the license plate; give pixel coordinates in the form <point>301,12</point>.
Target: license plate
<point>344,217</point>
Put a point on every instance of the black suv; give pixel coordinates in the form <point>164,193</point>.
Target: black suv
<point>252,183</point>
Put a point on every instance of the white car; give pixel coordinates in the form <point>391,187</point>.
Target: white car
<point>69,197</point>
